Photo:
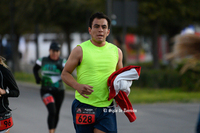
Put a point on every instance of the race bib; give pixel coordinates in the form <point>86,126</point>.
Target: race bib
<point>48,98</point>
<point>85,116</point>
<point>6,121</point>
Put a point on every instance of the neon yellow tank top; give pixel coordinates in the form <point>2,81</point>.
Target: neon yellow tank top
<point>98,63</point>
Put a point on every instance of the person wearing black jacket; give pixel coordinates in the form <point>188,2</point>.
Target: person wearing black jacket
<point>8,88</point>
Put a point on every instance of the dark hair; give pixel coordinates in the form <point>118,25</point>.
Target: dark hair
<point>99,15</point>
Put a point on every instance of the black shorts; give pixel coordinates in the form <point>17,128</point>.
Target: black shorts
<point>104,119</point>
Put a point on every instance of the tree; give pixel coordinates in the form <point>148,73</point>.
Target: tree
<point>165,16</point>
<point>73,15</point>
<point>67,15</point>
<point>63,15</point>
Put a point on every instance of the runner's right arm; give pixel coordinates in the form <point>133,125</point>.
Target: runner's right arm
<point>73,61</point>
<point>36,68</point>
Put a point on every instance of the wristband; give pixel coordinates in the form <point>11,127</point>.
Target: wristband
<point>7,91</point>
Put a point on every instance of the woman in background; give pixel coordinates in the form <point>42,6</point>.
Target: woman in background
<point>52,88</point>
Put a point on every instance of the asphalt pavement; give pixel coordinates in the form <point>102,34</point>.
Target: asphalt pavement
<point>30,115</point>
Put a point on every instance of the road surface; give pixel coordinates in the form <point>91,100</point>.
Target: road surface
<point>30,115</point>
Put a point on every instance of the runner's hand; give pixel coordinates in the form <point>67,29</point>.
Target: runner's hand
<point>2,92</point>
<point>85,89</point>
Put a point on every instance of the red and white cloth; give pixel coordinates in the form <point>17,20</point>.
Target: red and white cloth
<point>119,84</point>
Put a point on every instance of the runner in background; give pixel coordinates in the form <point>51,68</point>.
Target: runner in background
<point>52,88</point>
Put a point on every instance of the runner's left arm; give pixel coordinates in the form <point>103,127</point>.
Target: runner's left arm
<point>9,80</point>
<point>119,64</point>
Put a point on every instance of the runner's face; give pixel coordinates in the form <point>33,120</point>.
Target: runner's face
<point>99,30</point>
<point>54,54</point>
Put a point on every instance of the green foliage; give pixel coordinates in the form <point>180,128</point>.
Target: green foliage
<point>190,77</point>
<point>73,14</point>
<point>173,15</point>
<point>4,16</point>
<point>68,15</point>
<point>169,78</point>
<point>191,81</point>
<point>158,79</point>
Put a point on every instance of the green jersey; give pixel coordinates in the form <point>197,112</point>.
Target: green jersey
<point>51,72</point>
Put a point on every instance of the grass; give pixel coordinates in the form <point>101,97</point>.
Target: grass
<point>140,95</point>
<point>25,77</point>
<point>148,95</point>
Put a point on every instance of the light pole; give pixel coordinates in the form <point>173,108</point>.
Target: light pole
<point>109,14</point>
